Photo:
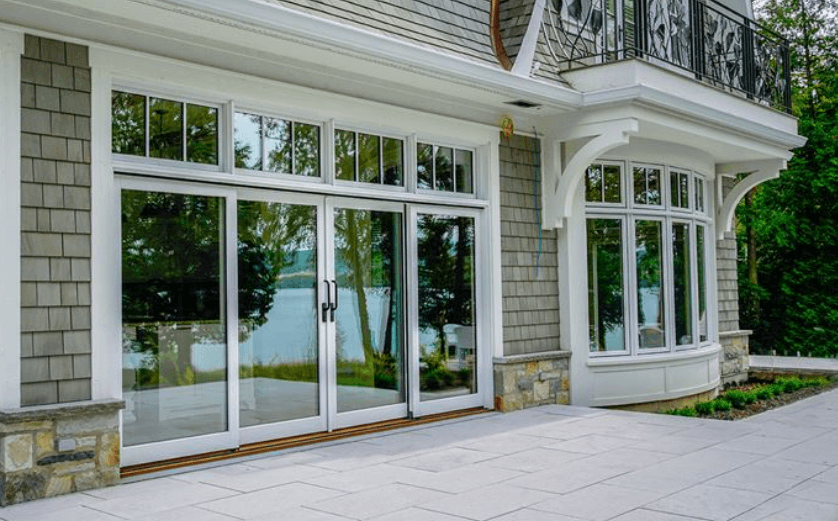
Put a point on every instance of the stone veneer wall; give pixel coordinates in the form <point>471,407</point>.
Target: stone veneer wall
<point>55,222</point>
<point>734,360</point>
<point>523,381</point>
<point>50,450</point>
<point>530,284</point>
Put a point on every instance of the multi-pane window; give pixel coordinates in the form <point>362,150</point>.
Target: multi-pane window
<point>160,128</point>
<point>268,144</point>
<point>368,158</point>
<point>444,169</point>
<point>646,258</point>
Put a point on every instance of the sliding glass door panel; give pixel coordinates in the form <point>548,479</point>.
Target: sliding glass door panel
<point>279,362</point>
<point>368,300</point>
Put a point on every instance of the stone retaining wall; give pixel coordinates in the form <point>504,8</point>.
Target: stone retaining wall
<point>523,381</point>
<point>734,362</point>
<point>51,450</point>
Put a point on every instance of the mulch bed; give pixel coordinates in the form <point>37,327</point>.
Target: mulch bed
<point>766,405</point>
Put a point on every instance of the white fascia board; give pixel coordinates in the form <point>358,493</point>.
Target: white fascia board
<point>655,98</point>
<point>312,30</point>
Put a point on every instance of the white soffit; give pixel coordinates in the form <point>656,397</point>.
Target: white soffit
<point>273,42</point>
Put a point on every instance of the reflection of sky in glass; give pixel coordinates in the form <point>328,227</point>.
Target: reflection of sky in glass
<point>248,139</point>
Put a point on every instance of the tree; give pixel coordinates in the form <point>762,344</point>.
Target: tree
<point>790,300</point>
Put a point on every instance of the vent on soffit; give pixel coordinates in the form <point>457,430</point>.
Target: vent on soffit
<point>524,104</point>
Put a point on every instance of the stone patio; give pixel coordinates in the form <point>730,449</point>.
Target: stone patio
<point>552,463</point>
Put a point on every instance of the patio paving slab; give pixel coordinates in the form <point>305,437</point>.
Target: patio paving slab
<point>551,463</point>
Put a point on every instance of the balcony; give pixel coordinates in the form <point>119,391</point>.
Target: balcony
<point>700,38</point>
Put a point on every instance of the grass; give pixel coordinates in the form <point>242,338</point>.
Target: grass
<point>740,398</point>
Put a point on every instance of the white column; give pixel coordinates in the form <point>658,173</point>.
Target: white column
<point>11,48</point>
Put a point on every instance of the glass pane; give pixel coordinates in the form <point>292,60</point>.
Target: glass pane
<point>674,193</point>
<point>465,172</point>
<point>393,162</point>
<point>445,169</point>
<point>306,150</point>
<point>369,159</point>
<point>278,362</point>
<point>606,317</point>
<point>593,184</point>
<point>683,284</point>
<point>201,134</point>
<point>702,281</point>
<point>640,192</point>
<point>345,155</point>
<point>447,336</point>
<point>127,123</point>
<point>650,302</point>
<point>699,195</point>
<point>613,184</point>
<point>425,166</point>
<point>165,129</point>
<point>369,317</point>
<point>248,141</point>
<point>278,145</point>
<point>684,189</point>
<point>174,346</point>
<point>653,193</point>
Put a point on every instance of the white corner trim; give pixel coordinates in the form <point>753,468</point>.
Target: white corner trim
<point>760,172</point>
<point>526,53</point>
<point>11,49</point>
<point>603,137</point>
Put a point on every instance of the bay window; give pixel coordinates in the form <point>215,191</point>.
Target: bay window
<point>646,258</point>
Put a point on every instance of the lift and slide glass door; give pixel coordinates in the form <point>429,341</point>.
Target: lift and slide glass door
<point>252,315</point>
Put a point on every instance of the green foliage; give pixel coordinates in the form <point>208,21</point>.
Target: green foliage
<point>705,408</point>
<point>790,384</point>
<point>722,405</point>
<point>794,219</point>
<point>687,411</point>
<point>816,381</point>
<point>738,399</point>
<point>765,392</point>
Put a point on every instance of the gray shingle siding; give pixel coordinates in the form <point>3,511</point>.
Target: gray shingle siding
<point>514,20</point>
<point>55,222</point>
<point>453,26</point>
<point>727,277</point>
<point>529,281</point>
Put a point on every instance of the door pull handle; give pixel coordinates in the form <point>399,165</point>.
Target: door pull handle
<point>334,305</point>
<point>327,305</point>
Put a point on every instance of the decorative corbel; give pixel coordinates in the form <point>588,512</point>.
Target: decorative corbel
<point>559,190</point>
<point>758,173</point>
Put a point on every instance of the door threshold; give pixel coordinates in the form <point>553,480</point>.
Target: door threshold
<point>292,442</point>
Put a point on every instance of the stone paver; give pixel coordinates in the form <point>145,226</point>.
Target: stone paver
<point>550,463</point>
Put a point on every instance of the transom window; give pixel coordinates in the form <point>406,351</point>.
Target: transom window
<point>160,128</point>
<point>368,158</point>
<point>276,145</point>
<point>444,169</point>
<point>646,259</point>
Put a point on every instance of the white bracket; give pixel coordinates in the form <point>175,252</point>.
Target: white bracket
<point>758,173</point>
<point>559,190</point>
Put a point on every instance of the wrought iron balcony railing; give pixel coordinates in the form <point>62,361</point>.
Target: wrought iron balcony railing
<point>702,37</point>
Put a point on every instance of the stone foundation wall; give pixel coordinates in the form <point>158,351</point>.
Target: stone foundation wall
<point>734,362</point>
<point>523,381</point>
<point>51,450</point>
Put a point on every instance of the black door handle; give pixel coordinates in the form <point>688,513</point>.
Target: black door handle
<point>334,305</point>
<point>327,305</point>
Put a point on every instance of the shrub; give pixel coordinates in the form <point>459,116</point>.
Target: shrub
<point>816,381</point>
<point>764,393</point>
<point>777,389</point>
<point>705,408</point>
<point>721,404</point>
<point>790,384</point>
<point>750,396</point>
<point>737,398</point>
<point>686,411</point>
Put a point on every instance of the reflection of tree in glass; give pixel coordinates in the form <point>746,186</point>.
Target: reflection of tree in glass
<point>369,158</point>
<point>345,155</point>
<point>649,261</point>
<point>278,145</point>
<point>165,129</point>
<point>128,124</point>
<point>605,279</point>
<point>202,134</point>
<point>306,150</point>
<point>248,155</point>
